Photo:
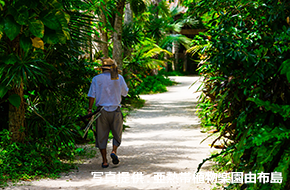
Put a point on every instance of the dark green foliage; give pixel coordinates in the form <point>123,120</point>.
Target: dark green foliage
<point>26,161</point>
<point>131,35</point>
<point>56,80</point>
<point>246,92</point>
<point>154,84</point>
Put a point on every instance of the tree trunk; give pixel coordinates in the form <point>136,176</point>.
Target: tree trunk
<point>104,34</point>
<point>117,35</point>
<point>175,50</point>
<point>166,63</point>
<point>128,20</point>
<point>17,116</point>
<point>184,61</point>
<point>128,14</point>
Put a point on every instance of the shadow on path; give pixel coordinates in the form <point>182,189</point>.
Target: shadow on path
<point>163,140</point>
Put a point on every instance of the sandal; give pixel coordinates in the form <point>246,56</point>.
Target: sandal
<point>104,166</point>
<point>115,159</point>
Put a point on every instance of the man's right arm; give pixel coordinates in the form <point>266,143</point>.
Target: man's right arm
<point>92,95</point>
<point>91,103</point>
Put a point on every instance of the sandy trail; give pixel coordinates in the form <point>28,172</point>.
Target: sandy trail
<point>160,150</point>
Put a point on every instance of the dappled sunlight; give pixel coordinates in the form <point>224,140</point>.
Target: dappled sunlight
<point>164,120</point>
<point>163,136</point>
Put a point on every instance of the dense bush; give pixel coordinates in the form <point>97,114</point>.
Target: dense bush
<point>246,90</point>
<point>43,72</point>
<point>26,161</point>
<point>153,84</point>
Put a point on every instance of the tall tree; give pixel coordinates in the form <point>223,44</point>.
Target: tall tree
<point>27,38</point>
<point>137,6</point>
<point>117,35</point>
<point>102,13</point>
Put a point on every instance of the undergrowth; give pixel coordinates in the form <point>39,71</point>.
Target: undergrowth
<point>245,93</point>
<point>27,161</point>
<point>154,84</point>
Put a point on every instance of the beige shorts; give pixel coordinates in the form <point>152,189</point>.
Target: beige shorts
<point>109,121</point>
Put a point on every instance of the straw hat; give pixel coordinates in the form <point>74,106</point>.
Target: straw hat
<point>107,63</point>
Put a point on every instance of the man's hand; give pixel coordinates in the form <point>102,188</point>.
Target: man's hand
<point>89,112</point>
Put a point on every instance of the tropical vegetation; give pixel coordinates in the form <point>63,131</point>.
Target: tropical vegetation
<point>51,49</point>
<point>245,101</point>
<point>49,52</point>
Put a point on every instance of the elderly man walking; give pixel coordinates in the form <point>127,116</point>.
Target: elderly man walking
<point>107,89</point>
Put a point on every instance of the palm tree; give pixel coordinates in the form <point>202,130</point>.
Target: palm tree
<point>117,34</point>
<point>164,28</point>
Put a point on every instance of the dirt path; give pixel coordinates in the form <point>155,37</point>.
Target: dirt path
<point>164,136</point>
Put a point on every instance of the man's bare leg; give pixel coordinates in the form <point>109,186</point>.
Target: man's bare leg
<point>114,149</point>
<point>114,155</point>
<point>104,156</point>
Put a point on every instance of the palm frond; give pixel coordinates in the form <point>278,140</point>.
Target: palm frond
<point>148,55</point>
<point>188,21</point>
<point>176,27</point>
<point>196,48</point>
<point>155,51</point>
<point>176,9</point>
<point>164,9</point>
<point>169,39</point>
<point>153,63</point>
<point>131,35</point>
<point>84,5</point>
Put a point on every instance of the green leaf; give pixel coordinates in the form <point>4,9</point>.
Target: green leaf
<point>2,3</point>
<point>56,4</point>
<point>11,28</point>
<point>50,37</point>
<point>23,15</point>
<point>63,18</point>
<point>32,92</point>
<point>12,11</point>
<point>283,110</point>
<point>51,21</point>
<point>3,90</point>
<point>66,32</point>
<point>285,69</point>
<point>25,43</point>
<point>36,27</point>
<point>61,36</point>
<point>15,100</point>
<point>2,23</point>
<point>11,59</point>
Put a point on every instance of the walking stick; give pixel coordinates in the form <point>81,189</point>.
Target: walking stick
<point>94,116</point>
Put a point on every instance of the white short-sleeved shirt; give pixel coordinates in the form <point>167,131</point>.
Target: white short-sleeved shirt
<point>108,92</point>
